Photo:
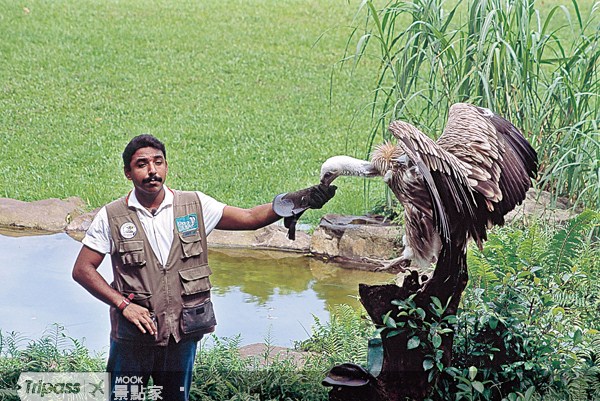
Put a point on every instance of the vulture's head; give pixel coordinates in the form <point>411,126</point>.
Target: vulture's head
<point>387,156</point>
<point>345,165</point>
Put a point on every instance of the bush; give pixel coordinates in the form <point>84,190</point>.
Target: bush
<point>55,351</point>
<point>221,373</point>
<point>528,325</point>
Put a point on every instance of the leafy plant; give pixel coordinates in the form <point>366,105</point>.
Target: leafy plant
<point>528,326</point>
<point>343,339</point>
<point>55,351</point>
<point>223,374</point>
<point>424,330</point>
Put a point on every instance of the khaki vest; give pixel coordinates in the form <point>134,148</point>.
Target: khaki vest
<point>177,294</point>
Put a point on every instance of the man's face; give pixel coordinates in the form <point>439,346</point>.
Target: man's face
<point>147,170</point>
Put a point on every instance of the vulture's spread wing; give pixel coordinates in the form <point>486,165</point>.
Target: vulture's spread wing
<point>444,175</point>
<point>500,161</point>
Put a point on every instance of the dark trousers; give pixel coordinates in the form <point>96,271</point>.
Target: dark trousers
<point>171,367</point>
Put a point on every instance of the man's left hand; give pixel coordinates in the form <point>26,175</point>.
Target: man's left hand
<point>291,205</point>
<point>295,203</point>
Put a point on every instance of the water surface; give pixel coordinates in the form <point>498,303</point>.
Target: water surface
<point>257,294</point>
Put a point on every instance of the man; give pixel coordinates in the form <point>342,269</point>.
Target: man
<point>160,296</point>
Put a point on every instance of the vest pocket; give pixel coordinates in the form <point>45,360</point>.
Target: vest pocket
<point>191,245</point>
<point>197,313</point>
<point>195,280</point>
<point>129,331</point>
<point>198,318</point>
<point>132,253</point>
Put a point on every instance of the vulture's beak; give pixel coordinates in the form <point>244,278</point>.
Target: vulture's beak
<point>328,178</point>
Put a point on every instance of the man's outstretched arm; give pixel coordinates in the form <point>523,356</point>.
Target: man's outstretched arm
<point>288,205</point>
<point>235,218</point>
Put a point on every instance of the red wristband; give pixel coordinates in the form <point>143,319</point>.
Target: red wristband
<point>125,302</point>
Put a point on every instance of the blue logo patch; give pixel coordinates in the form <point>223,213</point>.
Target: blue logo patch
<point>187,223</point>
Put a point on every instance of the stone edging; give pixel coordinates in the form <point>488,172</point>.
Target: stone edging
<point>357,241</point>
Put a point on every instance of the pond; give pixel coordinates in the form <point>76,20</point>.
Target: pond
<point>257,294</point>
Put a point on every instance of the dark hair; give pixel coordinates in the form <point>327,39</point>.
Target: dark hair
<point>141,141</point>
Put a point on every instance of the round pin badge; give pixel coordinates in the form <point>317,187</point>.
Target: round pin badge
<point>128,230</point>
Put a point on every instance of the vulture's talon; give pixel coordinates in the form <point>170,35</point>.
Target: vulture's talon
<point>394,266</point>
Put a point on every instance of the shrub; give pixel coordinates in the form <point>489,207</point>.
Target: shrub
<point>55,351</point>
<point>528,326</point>
<point>221,373</point>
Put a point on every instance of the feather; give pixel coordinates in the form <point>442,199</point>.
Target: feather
<point>454,188</point>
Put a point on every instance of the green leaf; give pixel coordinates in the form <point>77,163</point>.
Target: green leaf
<point>427,364</point>
<point>378,331</point>
<point>535,269</point>
<point>472,372</point>
<point>431,376</point>
<point>478,386</point>
<point>439,354</point>
<point>436,306</point>
<point>578,336</point>
<point>436,340</point>
<point>451,319</point>
<point>413,342</point>
<point>389,321</point>
<point>392,333</point>
<point>529,392</point>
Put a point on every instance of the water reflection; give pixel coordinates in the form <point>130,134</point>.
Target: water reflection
<point>257,294</point>
<point>264,274</point>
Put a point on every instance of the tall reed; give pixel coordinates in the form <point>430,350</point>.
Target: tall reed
<point>527,65</point>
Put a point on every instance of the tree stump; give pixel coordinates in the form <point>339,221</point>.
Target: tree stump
<point>403,374</point>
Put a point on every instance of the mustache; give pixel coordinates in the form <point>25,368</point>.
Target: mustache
<point>152,178</point>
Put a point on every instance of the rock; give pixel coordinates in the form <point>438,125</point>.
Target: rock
<point>367,241</point>
<point>51,215</point>
<point>357,241</point>
<point>263,354</point>
<point>539,205</point>
<point>362,239</point>
<point>273,236</point>
<point>79,225</point>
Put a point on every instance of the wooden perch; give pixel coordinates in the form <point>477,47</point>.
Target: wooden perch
<point>402,375</point>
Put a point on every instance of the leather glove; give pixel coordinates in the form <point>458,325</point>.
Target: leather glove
<point>291,205</point>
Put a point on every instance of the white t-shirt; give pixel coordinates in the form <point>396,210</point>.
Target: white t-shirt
<point>158,227</point>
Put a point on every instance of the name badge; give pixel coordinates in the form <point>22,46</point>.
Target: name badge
<point>188,224</point>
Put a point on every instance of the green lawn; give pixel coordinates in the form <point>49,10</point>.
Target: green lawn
<point>239,91</point>
<point>248,96</point>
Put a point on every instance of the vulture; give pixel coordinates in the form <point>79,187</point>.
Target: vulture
<point>452,189</point>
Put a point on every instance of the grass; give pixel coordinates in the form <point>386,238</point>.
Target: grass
<point>238,91</point>
<point>250,96</point>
